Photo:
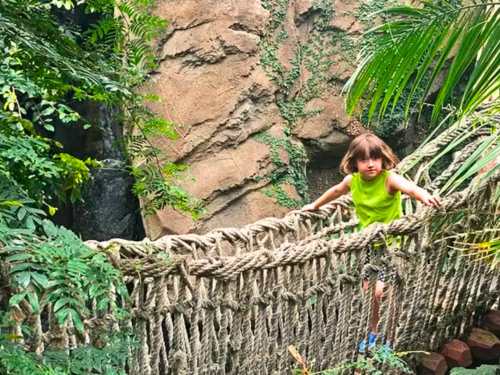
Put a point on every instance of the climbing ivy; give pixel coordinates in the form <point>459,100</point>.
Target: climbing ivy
<point>345,45</point>
<point>294,92</point>
<point>367,10</point>
<point>278,10</point>
<point>312,55</point>
<point>292,172</point>
<point>325,11</point>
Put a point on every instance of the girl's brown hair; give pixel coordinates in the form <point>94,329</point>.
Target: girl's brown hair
<point>364,146</point>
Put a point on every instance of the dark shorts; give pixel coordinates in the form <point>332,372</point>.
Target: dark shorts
<point>375,256</point>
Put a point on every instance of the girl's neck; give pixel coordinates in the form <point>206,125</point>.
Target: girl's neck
<point>371,178</point>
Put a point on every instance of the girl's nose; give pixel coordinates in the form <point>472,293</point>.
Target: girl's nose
<point>370,162</point>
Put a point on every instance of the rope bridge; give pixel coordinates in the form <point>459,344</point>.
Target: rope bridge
<point>233,300</point>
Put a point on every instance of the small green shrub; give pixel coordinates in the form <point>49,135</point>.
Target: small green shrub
<point>481,370</point>
<point>379,357</point>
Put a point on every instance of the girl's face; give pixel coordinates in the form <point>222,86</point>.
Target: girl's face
<point>369,168</point>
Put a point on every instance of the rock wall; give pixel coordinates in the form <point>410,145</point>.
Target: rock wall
<point>252,85</point>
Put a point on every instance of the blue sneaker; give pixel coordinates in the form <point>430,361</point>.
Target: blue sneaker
<point>364,345</point>
<point>372,340</point>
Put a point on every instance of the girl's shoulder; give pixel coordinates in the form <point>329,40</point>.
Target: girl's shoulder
<point>392,174</point>
<point>395,182</point>
<point>391,181</point>
<point>347,180</point>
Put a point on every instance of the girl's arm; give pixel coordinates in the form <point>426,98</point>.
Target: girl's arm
<point>333,193</point>
<point>399,183</point>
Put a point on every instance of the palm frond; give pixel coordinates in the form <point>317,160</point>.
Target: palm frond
<point>481,245</point>
<point>413,50</point>
<point>468,151</point>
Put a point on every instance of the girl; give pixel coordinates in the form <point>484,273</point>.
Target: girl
<point>376,194</point>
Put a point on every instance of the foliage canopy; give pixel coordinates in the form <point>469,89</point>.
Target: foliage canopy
<point>56,55</point>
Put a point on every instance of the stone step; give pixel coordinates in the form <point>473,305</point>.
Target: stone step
<point>433,364</point>
<point>484,345</point>
<point>491,322</point>
<point>457,354</point>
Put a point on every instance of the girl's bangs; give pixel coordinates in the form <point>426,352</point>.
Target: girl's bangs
<point>365,150</point>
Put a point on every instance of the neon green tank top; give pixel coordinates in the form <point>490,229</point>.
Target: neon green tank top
<point>372,202</point>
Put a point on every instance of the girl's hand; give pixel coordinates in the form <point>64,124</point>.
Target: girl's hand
<point>309,207</point>
<point>430,200</point>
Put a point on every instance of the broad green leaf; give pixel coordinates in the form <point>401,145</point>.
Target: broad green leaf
<point>60,303</point>
<point>49,228</point>
<point>33,301</point>
<point>19,257</point>
<point>20,267</point>
<point>21,213</point>
<point>16,298</point>
<point>40,279</point>
<point>23,278</point>
<point>77,320</point>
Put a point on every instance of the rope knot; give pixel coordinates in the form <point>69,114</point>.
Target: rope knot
<point>289,296</point>
<point>180,362</point>
<point>269,255</point>
<point>347,279</point>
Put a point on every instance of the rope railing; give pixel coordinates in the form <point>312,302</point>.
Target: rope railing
<point>295,226</point>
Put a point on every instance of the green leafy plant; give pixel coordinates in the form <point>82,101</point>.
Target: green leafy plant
<point>418,42</point>
<point>108,360</point>
<point>294,93</point>
<point>481,370</point>
<point>380,359</point>
<point>49,265</point>
<point>155,179</point>
<point>153,184</point>
<point>57,268</point>
<point>49,66</point>
<point>15,361</point>
<point>292,172</point>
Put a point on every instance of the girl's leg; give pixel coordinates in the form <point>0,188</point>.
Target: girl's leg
<point>378,294</point>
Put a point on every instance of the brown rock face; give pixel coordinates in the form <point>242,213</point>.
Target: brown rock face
<point>345,19</point>
<point>457,354</point>
<point>232,69</point>
<point>484,345</point>
<point>331,130</point>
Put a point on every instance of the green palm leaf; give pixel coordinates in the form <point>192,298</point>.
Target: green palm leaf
<point>417,44</point>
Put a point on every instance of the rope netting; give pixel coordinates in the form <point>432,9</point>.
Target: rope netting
<point>232,301</point>
<point>238,314</point>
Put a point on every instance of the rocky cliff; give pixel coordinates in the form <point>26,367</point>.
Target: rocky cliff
<point>254,88</point>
